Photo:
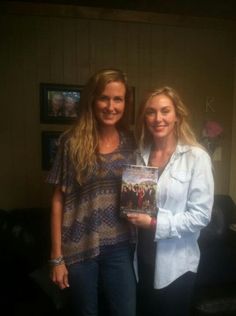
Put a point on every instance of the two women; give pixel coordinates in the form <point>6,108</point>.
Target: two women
<point>91,244</point>
<point>90,241</point>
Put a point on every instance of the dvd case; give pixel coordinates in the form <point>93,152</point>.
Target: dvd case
<point>139,190</point>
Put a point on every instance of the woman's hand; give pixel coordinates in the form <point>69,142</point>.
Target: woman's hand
<point>59,275</point>
<point>139,220</point>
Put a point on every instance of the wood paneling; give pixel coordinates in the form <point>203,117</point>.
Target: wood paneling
<point>64,46</point>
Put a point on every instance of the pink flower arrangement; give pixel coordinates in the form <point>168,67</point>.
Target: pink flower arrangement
<point>211,134</point>
<point>212,129</point>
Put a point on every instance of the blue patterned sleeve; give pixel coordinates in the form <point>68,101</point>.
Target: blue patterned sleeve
<point>62,172</point>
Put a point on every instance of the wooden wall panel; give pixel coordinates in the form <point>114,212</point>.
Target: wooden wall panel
<point>5,113</point>
<point>232,190</point>
<point>69,38</point>
<point>144,55</point>
<point>29,113</point>
<point>56,41</point>
<point>158,56</point>
<point>17,127</point>
<point>101,45</point>
<point>83,52</point>
<point>120,49</point>
<point>132,56</point>
<point>43,48</point>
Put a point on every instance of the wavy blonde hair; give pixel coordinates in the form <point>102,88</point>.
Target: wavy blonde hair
<point>83,144</point>
<point>184,132</point>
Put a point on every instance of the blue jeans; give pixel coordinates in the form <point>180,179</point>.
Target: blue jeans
<point>111,273</point>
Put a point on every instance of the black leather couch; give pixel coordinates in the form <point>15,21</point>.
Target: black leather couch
<point>25,286</point>
<point>27,290</point>
<point>215,292</point>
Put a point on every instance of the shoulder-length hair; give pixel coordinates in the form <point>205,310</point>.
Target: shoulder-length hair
<point>184,132</point>
<point>84,134</point>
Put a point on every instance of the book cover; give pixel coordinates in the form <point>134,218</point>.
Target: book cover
<point>139,189</point>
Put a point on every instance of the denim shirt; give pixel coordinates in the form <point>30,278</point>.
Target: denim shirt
<point>185,199</point>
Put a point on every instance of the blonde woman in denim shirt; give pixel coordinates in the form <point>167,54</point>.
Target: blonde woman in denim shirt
<point>168,253</point>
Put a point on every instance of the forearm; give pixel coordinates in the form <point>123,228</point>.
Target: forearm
<point>56,222</point>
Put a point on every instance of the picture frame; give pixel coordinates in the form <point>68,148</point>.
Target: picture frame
<point>49,141</point>
<point>59,103</point>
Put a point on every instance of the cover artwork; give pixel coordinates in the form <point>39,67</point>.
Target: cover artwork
<point>139,190</point>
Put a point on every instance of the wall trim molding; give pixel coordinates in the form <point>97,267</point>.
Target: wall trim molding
<point>82,12</point>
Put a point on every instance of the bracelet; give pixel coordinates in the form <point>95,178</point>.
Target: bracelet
<point>56,262</point>
<point>153,222</point>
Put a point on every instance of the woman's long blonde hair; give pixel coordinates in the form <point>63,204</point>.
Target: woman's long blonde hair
<point>184,132</point>
<point>83,142</point>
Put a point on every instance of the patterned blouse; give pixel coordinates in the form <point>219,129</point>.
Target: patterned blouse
<point>91,217</point>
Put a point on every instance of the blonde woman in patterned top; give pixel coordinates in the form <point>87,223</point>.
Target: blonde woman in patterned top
<point>91,244</point>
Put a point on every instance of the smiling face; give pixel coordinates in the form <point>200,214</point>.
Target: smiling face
<point>70,106</point>
<point>160,117</point>
<point>110,105</point>
<point>57,101</point>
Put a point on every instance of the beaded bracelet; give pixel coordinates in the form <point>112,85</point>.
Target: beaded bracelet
<point>56,262</point>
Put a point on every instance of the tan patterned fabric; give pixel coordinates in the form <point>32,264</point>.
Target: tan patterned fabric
<point>92,214</point>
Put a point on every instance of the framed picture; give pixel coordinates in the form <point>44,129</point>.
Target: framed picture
<point>49,141</point>
<point>59,103</point>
